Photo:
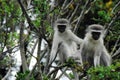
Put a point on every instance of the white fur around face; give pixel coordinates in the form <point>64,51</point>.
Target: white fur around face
<point>94,51</point>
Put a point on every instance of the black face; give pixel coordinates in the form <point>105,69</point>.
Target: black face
<point>96,35</point>
<point>61,28</point>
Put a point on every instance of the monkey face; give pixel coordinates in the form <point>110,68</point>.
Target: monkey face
<point>61,28</point>
<point>95,35</point>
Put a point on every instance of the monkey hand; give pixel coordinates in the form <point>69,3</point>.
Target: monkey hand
<point>76,59</point>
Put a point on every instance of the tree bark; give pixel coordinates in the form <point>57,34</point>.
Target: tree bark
<point>22,50</point>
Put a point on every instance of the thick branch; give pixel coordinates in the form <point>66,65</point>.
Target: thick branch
<point>38,57</point>
<point>22,50</point>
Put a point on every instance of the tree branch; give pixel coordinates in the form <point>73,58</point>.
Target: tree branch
<point>111,22</point>
<point>118,3</point>
<point>116,43</point>
<point>22,50</point>
<point>2,55</point>
<point>73,14</point>
<point>116,53</point>
<point>7,75</point>
<point>80,17</point>
<point>56,69</point>
<point>32,27</point>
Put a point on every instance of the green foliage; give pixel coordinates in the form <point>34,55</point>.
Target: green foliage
<point>71,63</point>
<point>22,76</point>
<point>12,39</point>
<point>115,29</point>
<point>41,9</point>
<point>103,10</point>
<point>37,22</point>
<point>5,62</point>
<point>114,33</point>
<point>105,73</point>
<point>105,16</point>
<point>49,31</point>
<point>45,77</point>
<point>11,12</point>
<point>71,76</point>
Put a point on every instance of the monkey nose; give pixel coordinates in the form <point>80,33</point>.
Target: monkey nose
<point>95,37</point>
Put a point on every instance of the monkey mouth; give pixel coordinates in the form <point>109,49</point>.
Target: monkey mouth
<point>61,31</point>
<point>96,37</point>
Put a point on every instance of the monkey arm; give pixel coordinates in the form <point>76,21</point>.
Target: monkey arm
<point>97,55</point>
<point>96,60</point>
<point>106,58</point>
<point>54,49</point>
<point>74,37</point>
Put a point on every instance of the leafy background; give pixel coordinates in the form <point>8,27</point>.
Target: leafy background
<point>27,24</point>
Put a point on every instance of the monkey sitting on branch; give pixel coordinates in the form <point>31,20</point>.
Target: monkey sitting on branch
<point>64,40</point>
<point>92,49</point>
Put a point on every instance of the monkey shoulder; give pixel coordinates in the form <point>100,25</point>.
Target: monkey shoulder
<point>89,46</point>
<point>66,36</point>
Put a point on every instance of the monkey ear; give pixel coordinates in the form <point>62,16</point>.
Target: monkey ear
<point>104,33</point>
<point>86,30</point>
<point>54,26</point>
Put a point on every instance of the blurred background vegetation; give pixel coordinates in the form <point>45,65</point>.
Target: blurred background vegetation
<point>24,24</point>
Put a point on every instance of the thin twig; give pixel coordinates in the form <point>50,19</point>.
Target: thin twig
<point>90,7</point>
<point>56,69</point>
<point>117,52</point>
<point>74,20</point>
<point>32,27</point>
<point>80,17</point>
<point>9,50</point>
<point>73,14</point>
<point>110,24</point>
<point>34,46</point>
<point>63,4</point>
<point>118,3</point>
<point>7,74</point>
<point>30,74</point>
<point>56,53</point>
<point>68,5</point>
<point>32,54</point>
<point>64,72</point>
<point>64,10</point>
<point>115,45</point>
<point>43,53</point>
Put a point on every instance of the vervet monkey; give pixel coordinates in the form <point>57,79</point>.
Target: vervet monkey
<point>66,38</point>
<point>92,49</point>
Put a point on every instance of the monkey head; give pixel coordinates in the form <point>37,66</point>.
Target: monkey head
<point>96,31</point>
<point>61,28</point>
<point>95,34</point>
<point>62,25</point>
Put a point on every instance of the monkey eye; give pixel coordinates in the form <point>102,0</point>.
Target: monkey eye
<point>62,26</point>
<point>96,33</point>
